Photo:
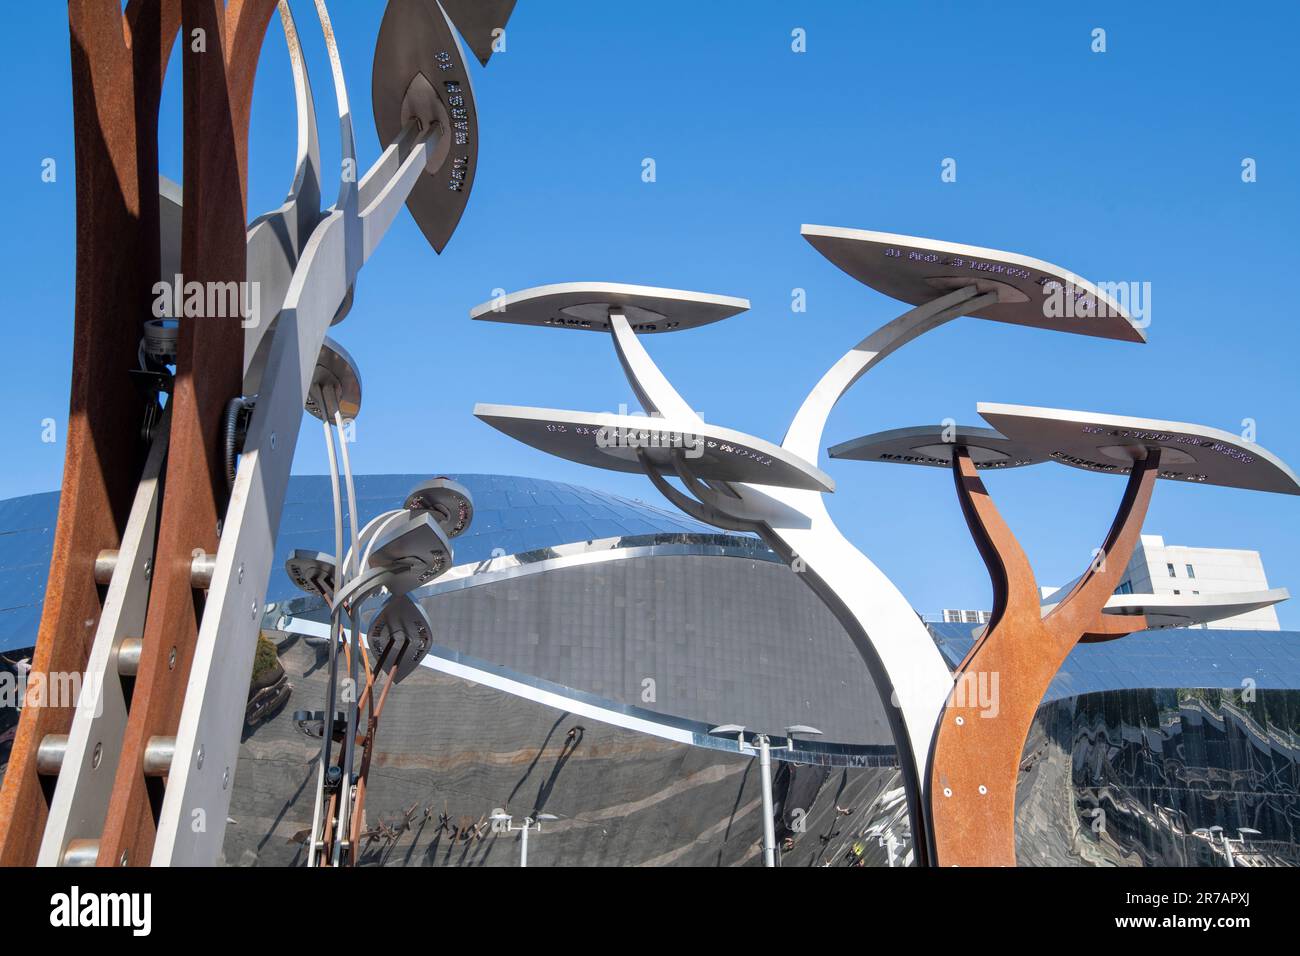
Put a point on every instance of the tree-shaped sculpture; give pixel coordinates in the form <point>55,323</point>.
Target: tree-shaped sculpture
<point>740,482</point>
<point>1002,680</point>
<point>182,428</point>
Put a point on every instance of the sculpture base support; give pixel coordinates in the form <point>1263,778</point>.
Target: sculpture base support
<point>998,687</point>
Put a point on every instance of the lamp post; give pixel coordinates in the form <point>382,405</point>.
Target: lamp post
<point>530,823</point>
<point>762,745</point>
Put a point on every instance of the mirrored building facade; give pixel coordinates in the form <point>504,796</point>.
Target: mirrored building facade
<point>586,643</point>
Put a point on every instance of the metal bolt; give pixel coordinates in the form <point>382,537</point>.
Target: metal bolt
<point>148,567</point>
<point>961,721</point>
<point>272,439</point>
<point>171,660</point>
<point>947,791</point>
<point>121,861</point>
<point>983,789</point>
<point>241,572</point>
<point>253,609</point>
<point>225,779</point>
<point>97,756</point>
<point>199,760</point>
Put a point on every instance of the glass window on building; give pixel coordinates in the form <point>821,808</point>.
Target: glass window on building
<point>1172,573</point>
<point>1191,571</point>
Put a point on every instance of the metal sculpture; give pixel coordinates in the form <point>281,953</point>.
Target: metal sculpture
<point>1002,681</point>
<point>741,482</point>
<point>140,770</point>
<point>395,552</point>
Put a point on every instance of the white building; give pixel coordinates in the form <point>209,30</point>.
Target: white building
<point>1158,568</point>
<point>961,616</point>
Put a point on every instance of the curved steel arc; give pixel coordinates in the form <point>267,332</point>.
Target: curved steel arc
<point>804,436</point>
<point>696,509</point>
<point>652,388</point>
<point>348,171</point>
<point>307,174</point>
<point>276,239</point>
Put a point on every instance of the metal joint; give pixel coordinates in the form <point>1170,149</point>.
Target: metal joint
<point>128,656</point>
<point>105,563</point>
<point>81,853</point>
<point>158,753</point>
<point>201,569</point>
<point>49,754</point>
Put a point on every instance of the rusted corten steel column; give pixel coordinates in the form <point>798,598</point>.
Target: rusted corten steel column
<point>118,61</point>
<point>999,686</point>
<point>218,72</point>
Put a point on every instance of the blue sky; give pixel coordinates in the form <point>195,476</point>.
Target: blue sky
<point>1123,165</point>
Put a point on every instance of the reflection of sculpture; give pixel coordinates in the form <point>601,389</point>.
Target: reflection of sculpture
<point>1004,677</point>
<point>740,482</point>
<point>149,751</point>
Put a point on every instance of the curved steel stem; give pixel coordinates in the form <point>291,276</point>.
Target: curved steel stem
<point>652,388</point>
<point>804,436</point>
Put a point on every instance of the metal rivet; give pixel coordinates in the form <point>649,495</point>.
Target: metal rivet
<point>983,789</point>
<point>121,861</point>
<point>148,568</point>
<point>253,609</point>
<point>947,791</point>
<point>199,759</point>
<point>97,756</point>
<point>272,439</point>
<point>171,660</point>
<point>225,779</point>
<point>241,572</point>
<point>960,721</point>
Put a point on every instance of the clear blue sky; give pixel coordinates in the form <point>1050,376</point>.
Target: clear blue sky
<point>1119,166</point>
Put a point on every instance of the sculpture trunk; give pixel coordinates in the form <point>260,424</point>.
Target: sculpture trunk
<point>998,687</point>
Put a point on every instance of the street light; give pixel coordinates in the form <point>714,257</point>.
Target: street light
<point>764,748</point>
<point>529,824</point>
<point>1241,838</point>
